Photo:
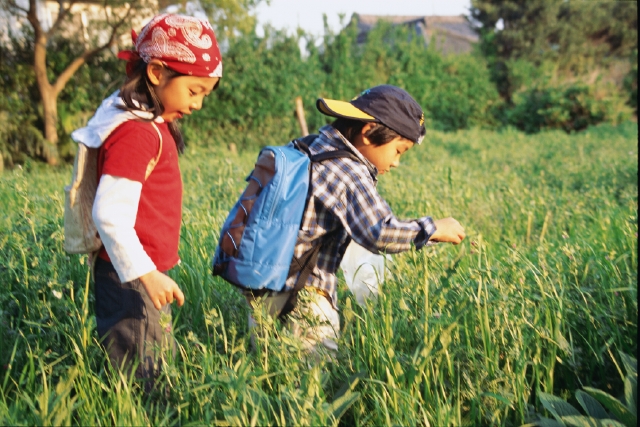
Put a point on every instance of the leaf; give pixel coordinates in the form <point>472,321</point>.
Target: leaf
<point>339,406</point>
<point>581,421</point>
<point>631,394</point>
<point>350,384</point>
<point>547,422</point>
<point>562,342</point>
<point>614,406</point>
<point>611,423</point>
<point>498,397</point>
<point>630,364</point>
<point>558,407</point>
<point>591,406</point>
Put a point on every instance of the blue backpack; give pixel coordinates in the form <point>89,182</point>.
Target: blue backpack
<point>257,240</point>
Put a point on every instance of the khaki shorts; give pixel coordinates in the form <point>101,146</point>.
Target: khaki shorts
<point>314,320</point>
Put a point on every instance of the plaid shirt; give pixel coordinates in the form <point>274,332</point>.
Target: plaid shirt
<point>343,204</point>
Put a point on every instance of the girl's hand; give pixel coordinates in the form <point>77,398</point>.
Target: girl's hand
<point>448,230</point>
<point>161,289</point>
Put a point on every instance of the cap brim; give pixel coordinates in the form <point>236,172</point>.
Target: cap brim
<point>342,109</point>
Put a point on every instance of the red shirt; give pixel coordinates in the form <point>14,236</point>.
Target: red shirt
<point>126,153</point>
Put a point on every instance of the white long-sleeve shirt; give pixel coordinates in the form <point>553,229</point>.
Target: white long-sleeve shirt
<point>114,213</point>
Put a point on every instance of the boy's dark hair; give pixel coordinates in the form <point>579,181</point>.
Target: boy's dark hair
<point>378,134</point>
<point>138,88</point>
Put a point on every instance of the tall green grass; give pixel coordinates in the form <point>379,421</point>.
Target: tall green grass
<point>538,299</point>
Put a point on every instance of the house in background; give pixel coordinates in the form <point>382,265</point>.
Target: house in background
<point>450,34</point>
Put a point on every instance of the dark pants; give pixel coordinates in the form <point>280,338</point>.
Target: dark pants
<point>129,326</point>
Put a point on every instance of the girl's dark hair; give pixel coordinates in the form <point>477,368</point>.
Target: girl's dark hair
<point>378,134</point>
<point>138,88</point>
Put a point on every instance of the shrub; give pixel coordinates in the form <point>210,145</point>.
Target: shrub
<point>254,104</point>
<point>601,408</point>
<point>570,107</point>
<point>20,135</point>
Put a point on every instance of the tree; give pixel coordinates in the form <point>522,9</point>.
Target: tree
<point>115,14</point>
<point>98,34</point>
<point>576,36</point>
<point>231,17</point>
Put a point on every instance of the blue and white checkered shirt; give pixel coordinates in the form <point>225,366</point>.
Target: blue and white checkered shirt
<point>343,204</point>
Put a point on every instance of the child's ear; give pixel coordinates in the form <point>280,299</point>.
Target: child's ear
<point>366,128</point>
<point>155,68</point>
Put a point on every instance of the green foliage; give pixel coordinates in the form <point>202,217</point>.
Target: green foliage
<point>543,286</point>
<point>577,36</point>
<point>20,127</point>
<point>230,18</point>
<point>631,81</point>
<point>20,112</point>
<point>89,85</point>
<point>455,91</point>
<point>570,107</point>
<point>595,404</point>
<point>254,104</point>
<point>537,62</point>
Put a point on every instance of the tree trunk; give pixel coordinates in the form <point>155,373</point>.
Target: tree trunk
<point>49,91</point>
<point>300,114</point>
<point>50,115</point>
<point>49,95</point>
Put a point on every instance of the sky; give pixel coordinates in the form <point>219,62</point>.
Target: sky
<point>307,14</point>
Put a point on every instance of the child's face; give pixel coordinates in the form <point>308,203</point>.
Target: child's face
<point>386,156</point>
<point>182,94</point>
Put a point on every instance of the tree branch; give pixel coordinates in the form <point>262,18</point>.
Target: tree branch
<point>68,72</point>
<point>62,14</point>
<point>11,4</point>
<point>32,17</point>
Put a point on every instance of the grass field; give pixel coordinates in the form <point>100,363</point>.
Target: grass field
<point>540,297</point>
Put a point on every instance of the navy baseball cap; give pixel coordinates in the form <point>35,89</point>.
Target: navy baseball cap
<point>385,104</point>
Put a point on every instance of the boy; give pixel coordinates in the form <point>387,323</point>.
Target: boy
<point>378,126</point>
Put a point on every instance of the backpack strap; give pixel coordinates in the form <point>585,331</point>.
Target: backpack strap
<point>305,265</point>
<point>302,144</point>
<point>153,162</point>
<point>321,157</point>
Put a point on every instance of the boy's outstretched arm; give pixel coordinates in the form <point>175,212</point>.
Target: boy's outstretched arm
<point>448,230</point>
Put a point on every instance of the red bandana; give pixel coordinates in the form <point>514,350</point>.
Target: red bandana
<point>183,43</point>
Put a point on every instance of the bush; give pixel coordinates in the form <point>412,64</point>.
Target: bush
<point>20,134</point>
<point>570,107</point>
<point>455,91</point>
<point>254,104</point>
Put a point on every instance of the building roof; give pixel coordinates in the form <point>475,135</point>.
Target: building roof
<point>451,34</point>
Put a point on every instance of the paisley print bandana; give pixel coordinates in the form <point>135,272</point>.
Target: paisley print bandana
<point>184,44</point>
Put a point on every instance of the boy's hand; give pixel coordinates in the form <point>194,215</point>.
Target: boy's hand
<point>161,289</point>
<point>448,230</point>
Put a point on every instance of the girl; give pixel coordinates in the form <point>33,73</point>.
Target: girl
<point>176,62</point>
